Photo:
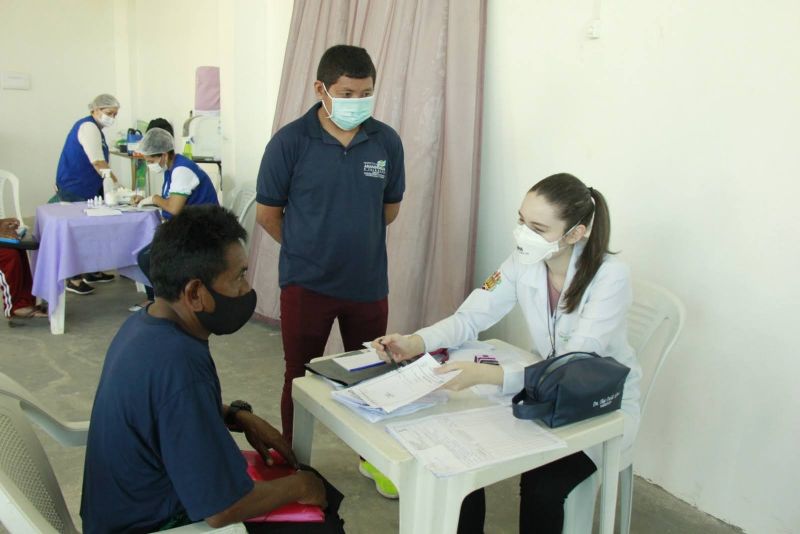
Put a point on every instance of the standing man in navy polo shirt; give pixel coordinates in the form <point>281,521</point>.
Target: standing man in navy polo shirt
<point>328,185</point>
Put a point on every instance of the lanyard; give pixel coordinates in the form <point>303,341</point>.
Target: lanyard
<point>552,319</point>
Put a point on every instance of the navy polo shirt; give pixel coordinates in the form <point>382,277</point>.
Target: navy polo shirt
<point>334,229</point>
<point>158,445</point>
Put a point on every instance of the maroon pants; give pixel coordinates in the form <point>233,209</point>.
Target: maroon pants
<point>306,321</point>
<point>15,281</point>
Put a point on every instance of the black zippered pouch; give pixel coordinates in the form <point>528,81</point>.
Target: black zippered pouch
<point>570,388</point>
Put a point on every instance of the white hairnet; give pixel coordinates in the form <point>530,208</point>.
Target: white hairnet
<point>156,141</point>
<point>104,101</point>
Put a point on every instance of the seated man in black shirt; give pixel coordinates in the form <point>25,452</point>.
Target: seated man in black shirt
<point>159,452</point>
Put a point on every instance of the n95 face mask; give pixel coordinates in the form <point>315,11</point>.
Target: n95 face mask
<point>533,248</point>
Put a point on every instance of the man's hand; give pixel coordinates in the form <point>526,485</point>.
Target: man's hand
<point>263,437</point>
<point>471,374</point>
<point>313,490</point>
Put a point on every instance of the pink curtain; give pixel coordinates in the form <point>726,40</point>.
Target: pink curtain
<point>429,59</point>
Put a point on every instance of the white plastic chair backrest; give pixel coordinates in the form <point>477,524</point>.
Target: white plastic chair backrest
<point>245,198</point>
<point>67,434</point>
<point>213,173</point>
<point>655,321</point>
<point>9,178</point>
<point>30,498</point>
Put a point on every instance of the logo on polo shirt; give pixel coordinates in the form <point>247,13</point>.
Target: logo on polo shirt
<point>375,169</point>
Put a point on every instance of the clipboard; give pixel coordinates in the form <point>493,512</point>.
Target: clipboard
<point>331,370</point>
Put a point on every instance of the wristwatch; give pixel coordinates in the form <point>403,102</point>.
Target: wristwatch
<point>233,408</point>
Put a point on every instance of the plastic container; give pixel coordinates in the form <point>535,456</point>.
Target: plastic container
<point>134,136</point>
<point>109,194</point>
<point>187,148</point>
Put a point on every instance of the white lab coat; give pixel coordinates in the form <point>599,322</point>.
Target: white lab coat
<point>597,325</point>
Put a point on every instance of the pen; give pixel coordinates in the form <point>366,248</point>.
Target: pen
<point>389,354</point>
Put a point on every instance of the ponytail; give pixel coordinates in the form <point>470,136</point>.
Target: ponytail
<point>579,204</point>
<point>593,253</point>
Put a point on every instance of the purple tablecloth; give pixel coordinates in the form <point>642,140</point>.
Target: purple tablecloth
<point>71,243</point>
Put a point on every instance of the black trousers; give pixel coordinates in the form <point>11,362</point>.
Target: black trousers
<point>143,259</point>
<point>542,495</point>
<point>333,524</point>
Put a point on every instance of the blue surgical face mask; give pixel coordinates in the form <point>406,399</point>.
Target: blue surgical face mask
<point>348,113</point>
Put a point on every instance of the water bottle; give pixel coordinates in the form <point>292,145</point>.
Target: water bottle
<point>187,148</point>
<point>109,194</point>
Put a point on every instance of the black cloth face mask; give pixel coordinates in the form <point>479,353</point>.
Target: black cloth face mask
<point>230,313</point>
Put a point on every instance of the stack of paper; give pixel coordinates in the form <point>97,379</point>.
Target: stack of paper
<point>373,415</point>
<point>101,212</point>
<point>454,443</point>
<point>399,392</point>
<point>362,360</point>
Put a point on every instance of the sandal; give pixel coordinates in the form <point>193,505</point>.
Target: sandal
<point>30,312</point>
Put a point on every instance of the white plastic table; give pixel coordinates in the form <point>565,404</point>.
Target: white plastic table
<point>429,504</point>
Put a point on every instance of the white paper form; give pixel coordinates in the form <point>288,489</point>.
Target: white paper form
<point>398,388</point>
<point>453,443</point>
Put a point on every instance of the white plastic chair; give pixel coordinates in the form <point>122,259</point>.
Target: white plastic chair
<point>655,321</point>
<point>11,179</point>
<point>244,198</point>
<point>30,498</point>
<point>215,174</point>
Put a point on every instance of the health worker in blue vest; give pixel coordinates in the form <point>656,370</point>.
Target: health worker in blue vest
<point>85,152</point>
<point>78,178</point>
<point>185,183</point>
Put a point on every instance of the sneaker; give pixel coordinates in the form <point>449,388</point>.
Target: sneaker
<point>383,485</point>
<point>98,277</point>
<point>80,289</point>
<point>137,307</point>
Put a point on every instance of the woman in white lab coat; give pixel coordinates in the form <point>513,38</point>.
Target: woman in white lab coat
<point>574,296</point>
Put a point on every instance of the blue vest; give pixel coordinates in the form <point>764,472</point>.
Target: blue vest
<point>75,173</point>
<point>204,193</point>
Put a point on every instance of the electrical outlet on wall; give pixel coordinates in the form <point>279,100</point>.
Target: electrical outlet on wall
<point>15,80</point>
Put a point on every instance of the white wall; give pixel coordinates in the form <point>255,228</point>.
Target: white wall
<point>253,44</point>
<point>68,50</point>
<point>159,45</point>
<point>246,39</point>
<point>685,115</point>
